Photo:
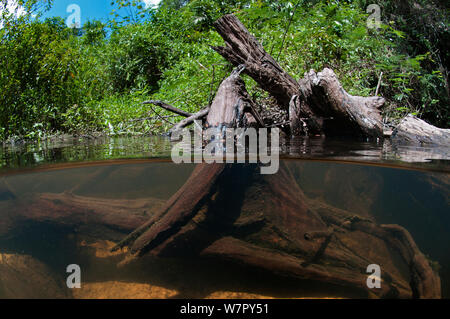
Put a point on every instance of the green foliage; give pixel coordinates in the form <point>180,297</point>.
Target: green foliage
<point>94,33</point>
<point>422,49</point>
<point>38,76</point>
<point>137,59</point>
<point>54,79</point>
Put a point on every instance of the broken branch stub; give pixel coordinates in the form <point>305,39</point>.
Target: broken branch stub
<point>232,106</point>
<point>343,114</point>
<point>242,48</point>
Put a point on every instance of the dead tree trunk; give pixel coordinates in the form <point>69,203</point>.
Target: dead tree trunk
<point>265,221</point>
<point>70,210</point>
<point>412,130</point>
<point>230,211</point>
<point>316,99</point>
<point>232,106</point>
<point>341,113</point>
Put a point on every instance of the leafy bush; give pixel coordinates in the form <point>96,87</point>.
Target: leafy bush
<point>134,59</point>
<point>422,50</point>
<point>57,79</point>
<point>38,67</point>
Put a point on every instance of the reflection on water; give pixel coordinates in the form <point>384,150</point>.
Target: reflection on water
<point>248,242</point>
<point>69,149</point>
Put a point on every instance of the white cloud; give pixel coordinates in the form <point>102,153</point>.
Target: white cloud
<point>12,8</point>
<point>151,3</point>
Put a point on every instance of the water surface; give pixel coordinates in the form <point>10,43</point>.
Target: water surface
<point>55,202</point>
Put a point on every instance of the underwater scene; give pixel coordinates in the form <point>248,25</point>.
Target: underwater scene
<point>341,226</point>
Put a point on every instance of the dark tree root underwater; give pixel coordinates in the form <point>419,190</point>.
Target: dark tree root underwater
<point>229,211</point>
<point>265,221</point>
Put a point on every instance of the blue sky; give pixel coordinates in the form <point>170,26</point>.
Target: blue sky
<point>89,9</point>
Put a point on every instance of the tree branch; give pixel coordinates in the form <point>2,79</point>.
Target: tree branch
<point>168,107</point>
<point>182,124</point>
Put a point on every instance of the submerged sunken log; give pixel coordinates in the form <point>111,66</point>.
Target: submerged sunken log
<point>70,210</point>
<point>230,211</point>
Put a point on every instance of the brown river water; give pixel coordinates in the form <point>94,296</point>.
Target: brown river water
<point>69,202</point>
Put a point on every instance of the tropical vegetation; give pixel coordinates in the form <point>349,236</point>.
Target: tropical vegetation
<point>55,79</point>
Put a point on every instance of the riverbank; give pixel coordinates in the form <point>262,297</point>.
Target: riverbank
<point>95,78</point>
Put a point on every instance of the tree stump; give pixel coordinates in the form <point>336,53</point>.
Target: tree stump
<point>230,211</point>
<point>318,97</point>
<point>265,221</point>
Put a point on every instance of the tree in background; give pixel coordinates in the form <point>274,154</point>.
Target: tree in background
<point>55,80</point>
<point>424,30</point>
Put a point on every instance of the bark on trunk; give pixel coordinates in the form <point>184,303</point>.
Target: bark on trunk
<point>317,97</point>
<point>230,211</point>
<point>242,48</point>
<point>232,106</point>
<point>412,130</point>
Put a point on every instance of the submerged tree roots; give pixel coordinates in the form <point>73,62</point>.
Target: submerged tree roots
<point>230,211</point>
